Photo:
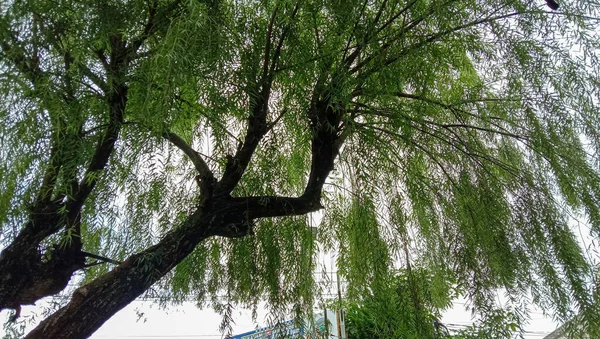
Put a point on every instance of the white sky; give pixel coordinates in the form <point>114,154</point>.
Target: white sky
<point>187,321</point>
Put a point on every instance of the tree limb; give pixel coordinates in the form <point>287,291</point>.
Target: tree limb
<point>219,215</point>
<point>267,56</point>
<point>451,108</point>
<point>156,17</point>
<point>194,156</point>
<point>325,119</point>
<point>257,121</point>
<point>276,206</point>
<point>26,277</point>
<point>117,102</point>
<point>441,34</point>
<point>96,80</point>
<point>101,258</point>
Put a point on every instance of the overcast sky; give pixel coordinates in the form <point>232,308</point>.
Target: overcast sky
<point>187,321</point>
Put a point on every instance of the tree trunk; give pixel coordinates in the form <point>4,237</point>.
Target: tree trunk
<point>91,305</point>
<point>27,275</point>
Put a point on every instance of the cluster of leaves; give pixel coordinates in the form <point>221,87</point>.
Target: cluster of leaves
<point>498,324</point>
<point>406,308</point>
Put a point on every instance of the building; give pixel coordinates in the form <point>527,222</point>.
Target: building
<point>316,329</point>
<point>560,333</point>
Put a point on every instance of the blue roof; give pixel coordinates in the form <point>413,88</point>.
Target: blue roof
<point>287,329</point>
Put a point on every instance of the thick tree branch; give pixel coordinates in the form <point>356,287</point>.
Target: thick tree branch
<point>237,164</point>
<point>219,215</point>
<point>25,276</point>
<point>94,303</point>
<point>325,118</point>
<point>275,206</point>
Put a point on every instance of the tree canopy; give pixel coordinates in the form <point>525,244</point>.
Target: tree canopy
<point>182,145</point>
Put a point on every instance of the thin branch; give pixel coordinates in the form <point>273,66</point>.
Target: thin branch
<point>441,34</point>
<point>210,119</point>
<point>284,34</point>
<point>29,66</point>
<point>465,149</point>
<point>117,102</point>
<point>396,16</point>
<point>468,126</point>
<point>257,121</point>
<point>267,56</point>
<point>194,156</point>
<point>101,258</point>
<point>452,108</point>
<point>362,11</point>
<point>102,58</point>
<point>156,17</point>
<point>434,159</point>
<point>96,80</point>
<point>318,43</point>
<point>274,122</point>
<point>403,31</point>
<point>50,177</point>
<point>424,42</point>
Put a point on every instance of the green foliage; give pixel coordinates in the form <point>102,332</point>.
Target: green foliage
<point>469,128</point>
<point>404,309</point>
<point>497,324</point>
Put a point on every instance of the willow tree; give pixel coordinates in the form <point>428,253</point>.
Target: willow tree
<point>182,145</point>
